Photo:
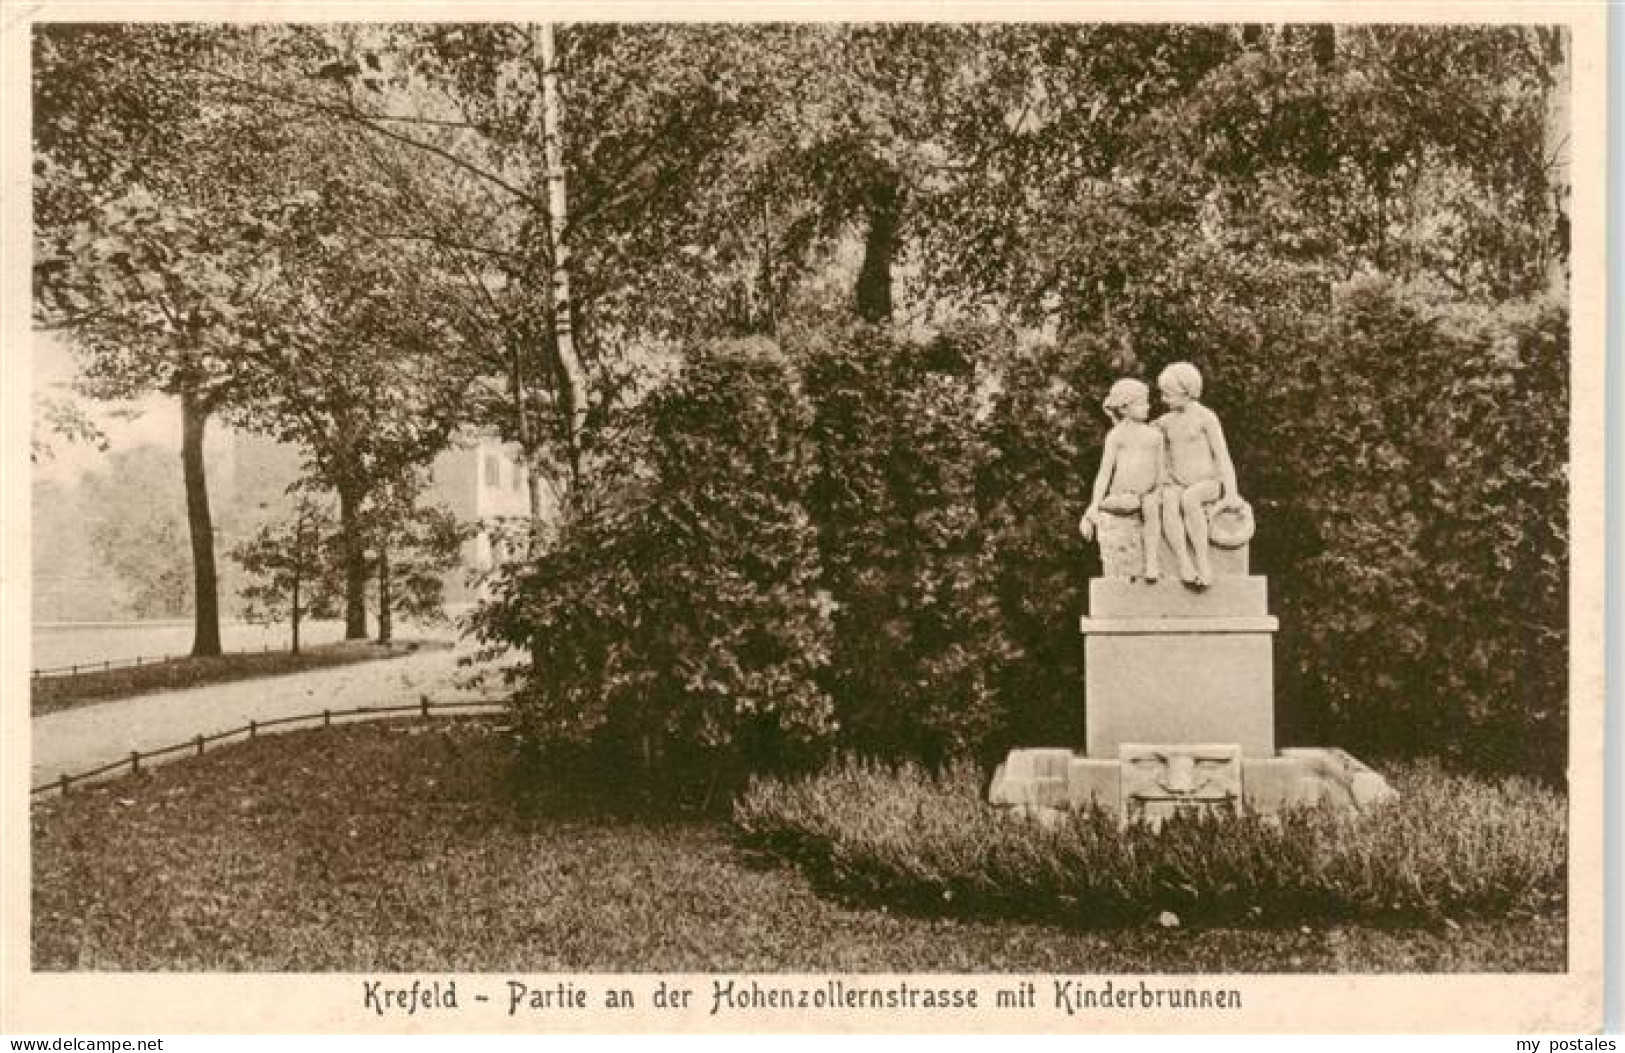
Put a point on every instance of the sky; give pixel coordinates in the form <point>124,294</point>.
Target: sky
<point>152,421</point>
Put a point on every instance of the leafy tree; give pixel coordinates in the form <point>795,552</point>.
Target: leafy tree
<point>1110,158</point>
<point>710,168</point>
<point>151,214</point>
<point>467,200</point>
<point>65,418</point>
<point>414,548</point>
<point>370,376</point>
<point>291,567</point>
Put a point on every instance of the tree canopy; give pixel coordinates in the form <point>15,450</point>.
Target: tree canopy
<point>937,244</point>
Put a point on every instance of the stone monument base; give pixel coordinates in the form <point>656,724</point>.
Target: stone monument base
<point>1152,781</point>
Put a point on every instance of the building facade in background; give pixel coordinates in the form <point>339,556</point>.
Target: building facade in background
<point>481,481</point>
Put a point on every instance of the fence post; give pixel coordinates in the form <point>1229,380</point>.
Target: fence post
<point>66,782</point>
<point>73,670</point>
<point>138,661</point>
<point>107,665</point>
<point>200,745</point>
<point>425,700</point>
<point>135,761</point>
<point>253,728</point>
<point>327,718</point>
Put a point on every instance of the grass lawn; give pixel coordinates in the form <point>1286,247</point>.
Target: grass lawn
<point>400,847</point>
<point>54,693</point>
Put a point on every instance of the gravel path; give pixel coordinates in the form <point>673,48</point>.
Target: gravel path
<point>86,737</point>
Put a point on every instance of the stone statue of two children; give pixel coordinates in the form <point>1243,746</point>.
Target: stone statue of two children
<point>1171,473</point>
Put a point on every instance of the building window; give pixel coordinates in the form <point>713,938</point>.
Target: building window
<point>493,470</point>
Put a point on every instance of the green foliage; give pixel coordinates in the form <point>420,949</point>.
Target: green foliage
<point>154,196</point>
<point>1448,846</point>
<point>63,418</point>
<point>1430,603</point>
<point>420,545</point>
<point>291,569</point>
<point>919,644</point>
<point>1044,413</point>
<point>677,627</point>
<point>339,228</point>
<point>1115,156</point>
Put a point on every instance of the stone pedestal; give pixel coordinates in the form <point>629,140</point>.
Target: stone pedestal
<point>1166,663</point>
<point>1266,785</point>
<point>1179,710</point>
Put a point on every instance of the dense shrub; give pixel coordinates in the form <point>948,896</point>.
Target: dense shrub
<point>919,638</point>
<point>676,628</point>
<point>1448,846</point>
<point>872,542</point>
<point>1044,428</point>
<point>1424,602</point>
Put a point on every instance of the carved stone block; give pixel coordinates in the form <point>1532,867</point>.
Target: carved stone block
<point>1032,777</point>
<point>1095,783</point>
<point>1273,784</point>
<point>1122,551</point>
<point>1160,781</point>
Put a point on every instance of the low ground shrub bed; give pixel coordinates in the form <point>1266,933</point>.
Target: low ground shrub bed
<point>54,693</point>
<point>1448,847</point>
<point>408,846</point>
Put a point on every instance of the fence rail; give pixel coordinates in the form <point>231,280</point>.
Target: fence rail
<point>197,744</point>
<point>108,664</point>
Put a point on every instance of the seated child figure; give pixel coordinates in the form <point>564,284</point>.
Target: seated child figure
<point>1200,471</point>
<point>1131,469</point>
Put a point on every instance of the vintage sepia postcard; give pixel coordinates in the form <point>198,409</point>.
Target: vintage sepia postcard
<point>922,518</point>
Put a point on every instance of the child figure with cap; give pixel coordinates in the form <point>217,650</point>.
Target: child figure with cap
<point>1200,471</point>
<point>1131,470</point>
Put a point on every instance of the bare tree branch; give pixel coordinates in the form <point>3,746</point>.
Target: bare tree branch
<point>355,116</point>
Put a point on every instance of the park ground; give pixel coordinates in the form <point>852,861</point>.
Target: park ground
<point>407,845</point>
<point>93,733</point>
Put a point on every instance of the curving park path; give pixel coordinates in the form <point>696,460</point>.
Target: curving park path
<point>86,737</point>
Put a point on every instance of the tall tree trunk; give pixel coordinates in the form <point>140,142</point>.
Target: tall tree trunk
<point>294,612</point>
<point>884,209</point>
<point>575,378</point>
<point>1555,122</point>
<point>355,564</point>
<point>529,448</point>
<point>386,621</point>
<point>205,583</point>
